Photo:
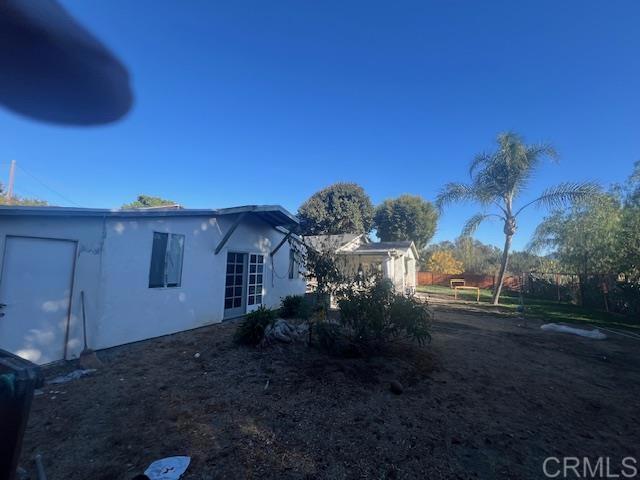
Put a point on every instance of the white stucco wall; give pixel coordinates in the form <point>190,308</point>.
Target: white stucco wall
<point>112,267</point>
<point>88,233</point>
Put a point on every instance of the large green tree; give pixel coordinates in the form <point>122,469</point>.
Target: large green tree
<point>339,208</point>
<point>146,201</point>
<point>585,237</point>
<point>407,217</point>
<point>629,236</point>
<point>498,179</point>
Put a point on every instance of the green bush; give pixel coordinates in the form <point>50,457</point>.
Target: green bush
<point>251,330</point>
<point>329,337</point>
<point>295,306</point>
<point>376,316</point>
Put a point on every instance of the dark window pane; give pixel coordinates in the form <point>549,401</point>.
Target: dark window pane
<point>228,303</point>
<point>251,299</point>
<point>260,258</point>
<point>292,263</point>
<point>229,280</point>
<point>252,290</point>
<point>158,254</point>
<point>253,259</point>
<point>228,292</point>
<point>259,279</point>
<point>238,279</point>
<point>173,266</point>
<point>258,298</point>
<point>238,292</point>
<point>239,268</point>
<point>260,268</point>
<point>252,279</point>
<point>252,269</point>
<point>229,268</point>
<point>231,257</point>
<point>236,302</point>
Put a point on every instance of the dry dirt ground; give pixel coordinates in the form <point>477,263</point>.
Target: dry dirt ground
<point>486,399</point>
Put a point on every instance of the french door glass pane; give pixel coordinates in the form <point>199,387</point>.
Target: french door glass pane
<point>256,267</point>
<point>234,281</point>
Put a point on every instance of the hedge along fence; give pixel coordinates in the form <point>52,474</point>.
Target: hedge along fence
<point>470,279</point>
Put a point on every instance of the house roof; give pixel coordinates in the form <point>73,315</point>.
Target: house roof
<point>330,242</point>
<point>385,247</point>
<point>275,215</point>
<point>338,242</point>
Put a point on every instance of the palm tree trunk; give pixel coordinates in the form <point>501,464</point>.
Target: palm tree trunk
<point>503,269</point>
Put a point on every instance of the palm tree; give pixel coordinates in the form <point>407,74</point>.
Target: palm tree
<point>497,179</point>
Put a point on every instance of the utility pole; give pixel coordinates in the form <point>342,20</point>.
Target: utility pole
<point>12,176</point>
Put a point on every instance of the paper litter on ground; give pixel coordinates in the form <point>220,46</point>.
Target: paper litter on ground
<point>71,376</point>
<point>594,334</point>
<point>170,468</point>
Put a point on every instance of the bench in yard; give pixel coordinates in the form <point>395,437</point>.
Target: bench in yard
<point>455,291</point>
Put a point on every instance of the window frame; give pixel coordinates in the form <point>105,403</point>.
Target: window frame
<point>165,262</point>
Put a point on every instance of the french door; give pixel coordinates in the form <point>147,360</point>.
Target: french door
<point>235,285</point>
<point>244,283</point>
<point>255,281</point>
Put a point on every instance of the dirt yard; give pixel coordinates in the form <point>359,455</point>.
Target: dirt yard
<point>487,399</point>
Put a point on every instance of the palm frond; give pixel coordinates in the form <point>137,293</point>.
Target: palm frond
<point>454,192</point>
<point>540,150</point>
<point>474,222</point>
<point>563,194</point>
<point>479,160</point>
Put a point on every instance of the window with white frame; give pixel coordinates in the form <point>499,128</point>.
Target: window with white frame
<point>166,260</point>
<point>256,274</point>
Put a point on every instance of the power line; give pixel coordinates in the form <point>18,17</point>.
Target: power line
<point>65,198</point>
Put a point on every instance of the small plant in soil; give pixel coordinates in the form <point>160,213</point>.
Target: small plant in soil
<point>251,329</point>
<point>372,318</point>
<point>295,306</point>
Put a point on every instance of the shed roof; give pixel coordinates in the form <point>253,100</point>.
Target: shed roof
<point>330,242</point>
<point>275,215</point>
<point>384,247</point>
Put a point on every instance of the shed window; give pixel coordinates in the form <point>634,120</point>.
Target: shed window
<point>292,263</point>
<point>166,260</point>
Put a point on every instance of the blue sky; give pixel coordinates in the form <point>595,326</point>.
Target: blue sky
<point>267,102</point>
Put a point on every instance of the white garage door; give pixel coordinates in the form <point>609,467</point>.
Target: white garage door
<point>35,286</point>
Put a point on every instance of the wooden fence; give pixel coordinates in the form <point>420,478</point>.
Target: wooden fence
<point>471,280</point>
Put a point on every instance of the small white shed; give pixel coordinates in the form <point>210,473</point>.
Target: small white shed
<point>396,260</point>
<point>144,273</point>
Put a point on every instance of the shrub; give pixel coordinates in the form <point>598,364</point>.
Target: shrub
<point>251,330</point>
<point>376,316</point>
<point>295,306</point>
<point>330,337</point>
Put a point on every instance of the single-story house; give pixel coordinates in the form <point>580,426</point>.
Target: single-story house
<point>396,261</point>
<point>143,273</point>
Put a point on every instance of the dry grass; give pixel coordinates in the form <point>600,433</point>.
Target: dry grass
<point>486,399</point>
